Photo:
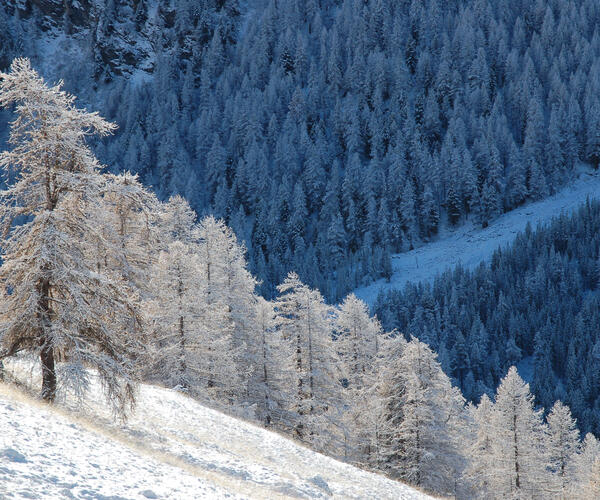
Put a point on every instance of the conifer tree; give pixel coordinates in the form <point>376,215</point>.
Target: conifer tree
<point>562,448</point>
<point>179,316</point>
<point>423,420</point>
<point>56,303</point>
<point>304,321</point>
<point>275,360</point>
<point>518,446</point>
<point>592,145</point>
<point>479,450</point>
<point>586,468</point>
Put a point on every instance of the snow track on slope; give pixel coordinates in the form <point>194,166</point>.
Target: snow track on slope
<point>469,245</point>
<point>171,447</point>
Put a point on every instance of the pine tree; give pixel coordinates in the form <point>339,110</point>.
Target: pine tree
<point>356,340</point>
<point>430,213</point>
<point>180,318</point>
<point>423,420</point>
<point>55,301</point>
<point>407,210</point>
<point>479,450</point>
<point>275,360</point>
<point>586,469</point>
<point>591,488</point>
<point>230,289</point>
<point>131,222</point>
<point>304,322</point>
<point>592,145</point>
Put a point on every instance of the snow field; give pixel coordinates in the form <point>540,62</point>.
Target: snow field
<point>469,245</point>
<point>171,447</point>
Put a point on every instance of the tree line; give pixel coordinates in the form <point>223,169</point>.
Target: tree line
<point>537,299</point>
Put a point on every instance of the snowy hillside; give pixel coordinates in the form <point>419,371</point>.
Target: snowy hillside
<point>172,447</point>
<point>468,246</point>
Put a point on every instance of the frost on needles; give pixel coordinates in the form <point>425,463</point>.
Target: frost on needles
<point>58,300</point>
<point>99,276</point>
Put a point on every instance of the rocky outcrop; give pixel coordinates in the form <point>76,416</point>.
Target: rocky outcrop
<point>126,35</point>
<point>55,13</point>
<point>122,32</point>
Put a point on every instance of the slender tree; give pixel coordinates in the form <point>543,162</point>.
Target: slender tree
<point>562,448</point>
<point>479,450</point>
<point>423,420</point>
<point>518,440</point>
<point>304,321</point>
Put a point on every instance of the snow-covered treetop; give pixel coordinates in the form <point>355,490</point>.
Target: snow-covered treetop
<point>48,137</point>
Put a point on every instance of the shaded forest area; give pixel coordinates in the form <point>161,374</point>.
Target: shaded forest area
<point>330,134</point>
<point>538,297</point>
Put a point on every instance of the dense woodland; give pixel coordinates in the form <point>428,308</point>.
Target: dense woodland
<point>101,278</point>
<point>314,139</point>
<point>538,297</point>
<point>329,134</point>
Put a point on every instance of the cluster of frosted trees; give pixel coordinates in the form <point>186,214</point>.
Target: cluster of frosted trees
<point>330,134</point>
<point>514,453</point>
<point>98,276</point>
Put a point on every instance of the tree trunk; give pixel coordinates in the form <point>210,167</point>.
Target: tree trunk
<point>516,449</point>
<point>299,427</point>
<point>266,380</point>
<point>47,353</point>
<point>48,374</point>
<point>181,333</point>
<point>182,364</point>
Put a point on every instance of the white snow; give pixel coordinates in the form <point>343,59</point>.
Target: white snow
<point>171,447</point>
<point>469,245</point>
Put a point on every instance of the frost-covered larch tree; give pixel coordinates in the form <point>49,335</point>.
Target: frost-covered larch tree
<point>177,221</point>
<point>55,301</point>
<point>357,338</point>
<point>191,326</point>
<point>131,223</point>
<point>562,448</point>
<point>519,437</point>
<point>587,469</point>
<point>357,341</point>
<point>275,360</point>
<point>478,447</point>
<point>231,286</point>
<point>176,314</point>
<point>423,420</point>
<point>304,321</point>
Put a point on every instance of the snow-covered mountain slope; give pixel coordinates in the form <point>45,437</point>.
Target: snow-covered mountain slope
<point>171,447</point>
<point>469,245</point>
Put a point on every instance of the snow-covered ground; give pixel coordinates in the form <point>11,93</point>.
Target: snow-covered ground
<point>172,447</point>
<point>469,245</point>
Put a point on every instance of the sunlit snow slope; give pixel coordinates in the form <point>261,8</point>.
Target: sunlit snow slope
<point>172,447</point>
<point>469,246</point>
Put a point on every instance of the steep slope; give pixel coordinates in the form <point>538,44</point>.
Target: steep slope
<point>331,134</point>
<point>171,447</point>
<point>468,246</point>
